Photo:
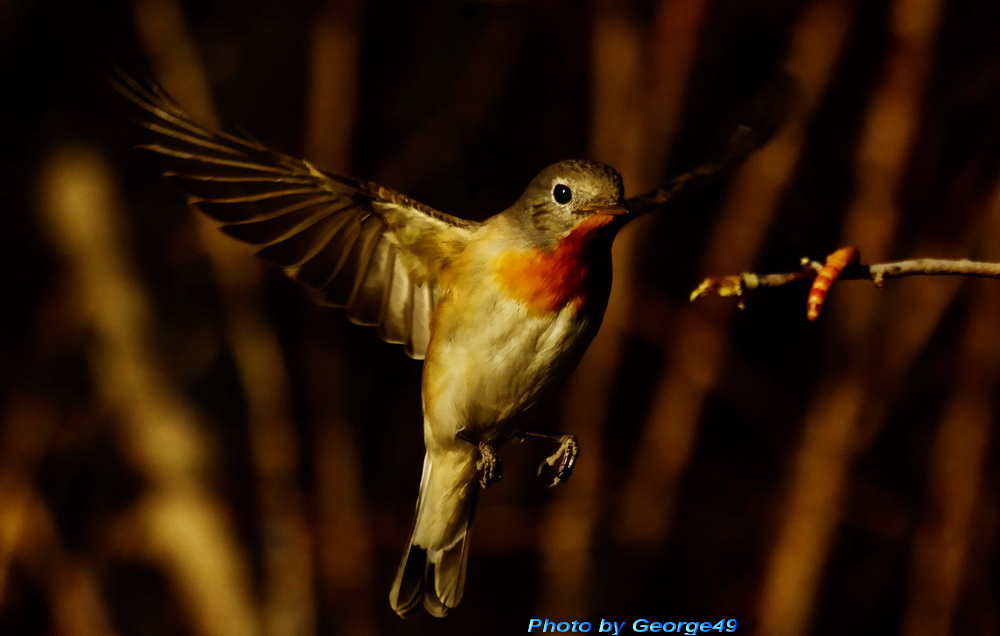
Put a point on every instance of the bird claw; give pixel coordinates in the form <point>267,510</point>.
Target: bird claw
<point>565,456</point>
<point>489,465</point>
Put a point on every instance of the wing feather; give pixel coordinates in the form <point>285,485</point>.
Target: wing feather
<point>320,270</point>
<point>356,244</point>
<point>339,290</point>
<point>368,303</point>
<point>267,230</point>
<point>205,187</point>
<point>420,321</point>
<point>395,326</point>
<point>298,248</point>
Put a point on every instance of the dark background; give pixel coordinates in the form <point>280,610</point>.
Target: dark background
<point>188,446</point>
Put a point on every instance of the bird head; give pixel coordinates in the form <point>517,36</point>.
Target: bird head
<point>568,196</point>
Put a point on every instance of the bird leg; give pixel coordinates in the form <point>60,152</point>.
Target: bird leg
<point>565,455</point>
<point>489,464</point>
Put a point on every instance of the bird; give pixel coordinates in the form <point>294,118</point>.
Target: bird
<point>500,311</point>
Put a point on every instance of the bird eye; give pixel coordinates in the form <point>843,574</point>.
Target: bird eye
<point>562,194</point>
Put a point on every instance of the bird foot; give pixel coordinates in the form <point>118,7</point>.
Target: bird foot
<point>565,456</point>
<point>489,465</point>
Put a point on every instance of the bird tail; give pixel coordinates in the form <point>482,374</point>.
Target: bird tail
<point>433,566</point>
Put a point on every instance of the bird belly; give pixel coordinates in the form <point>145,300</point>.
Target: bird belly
<point>480,373</point>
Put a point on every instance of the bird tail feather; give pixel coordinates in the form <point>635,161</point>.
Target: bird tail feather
<point>433,566</point>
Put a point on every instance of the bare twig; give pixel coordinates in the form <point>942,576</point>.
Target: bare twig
<point>741,284</point>
<point>742,142</point>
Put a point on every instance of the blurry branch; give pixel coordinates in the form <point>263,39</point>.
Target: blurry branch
<point>333,83</point>
<point>71,580</point>
<point>944,547</point>
<point>29,423</point>
<point>288,600</point>
<point>844,407</point>
<point>28,426</point>
<point>179,522</point>
<point>741,143</point>
<point>673,39</point>
<point>759,120</point>
<point>465,107</point>
<point>343,546</point>
<point>741,285</point>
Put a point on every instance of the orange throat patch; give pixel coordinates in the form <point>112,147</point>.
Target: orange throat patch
<point>548,281</point>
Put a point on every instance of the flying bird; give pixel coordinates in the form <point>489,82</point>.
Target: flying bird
<point>500,311</point>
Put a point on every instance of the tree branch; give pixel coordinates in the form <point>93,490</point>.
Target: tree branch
<point>742,284</point>
<point>742,141</point>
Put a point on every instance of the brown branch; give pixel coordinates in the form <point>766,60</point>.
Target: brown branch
<point>743,141</point>
<point>741,284</point>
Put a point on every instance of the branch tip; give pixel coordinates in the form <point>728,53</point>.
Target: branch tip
<point>721,286</point>
<point>849,269</point>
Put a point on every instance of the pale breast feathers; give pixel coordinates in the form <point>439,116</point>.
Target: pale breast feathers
<point>355,244</point>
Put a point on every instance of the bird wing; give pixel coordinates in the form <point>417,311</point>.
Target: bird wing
<point>355,244</point>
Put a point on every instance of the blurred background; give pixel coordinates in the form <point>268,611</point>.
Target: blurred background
<point>188,446</point>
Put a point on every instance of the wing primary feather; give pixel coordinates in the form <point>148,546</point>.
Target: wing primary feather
<point>372,241</point>
<point>340,288</point>
<point>276,229</point>
<point>285,178</point>
<point>170,152</point>
<point>365,303</point>
<point>319,270</point>
<point>263,196</point>
<point>356,243</point>
<point>319,251</point>
<point>201,141</point>
<point>226,212</point>
<point>295,250</point>
<point>155,102</point>
<point>203,189</point>
<point>159,104</point>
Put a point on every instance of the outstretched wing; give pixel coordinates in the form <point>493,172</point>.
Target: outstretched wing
<point>356,244</point>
